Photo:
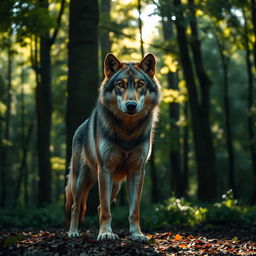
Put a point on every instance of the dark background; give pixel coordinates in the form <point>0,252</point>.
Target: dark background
<point>51,65</point>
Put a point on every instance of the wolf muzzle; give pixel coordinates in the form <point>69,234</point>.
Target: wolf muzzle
<point>131,107</point>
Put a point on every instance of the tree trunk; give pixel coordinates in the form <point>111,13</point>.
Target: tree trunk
<point>140,29</point>
<point>23,167</point>
<point>204,106</point>
<point>83,72</point>
<point>229,139</point>
<point>250,99</point>
<point>228,132</point>
<point>253,11</point>
<point>44,110</point>
<point>105,42</point>
<point>177,176</point>
<point>205,155</point>
<point>185,151</point>
<point>175,147</point>
<point>5,146</point>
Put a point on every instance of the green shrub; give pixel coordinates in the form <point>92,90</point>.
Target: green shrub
<point>173,212</point>
<point>34,217</point>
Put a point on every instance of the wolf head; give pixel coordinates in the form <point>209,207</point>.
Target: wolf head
<point>129,88</point>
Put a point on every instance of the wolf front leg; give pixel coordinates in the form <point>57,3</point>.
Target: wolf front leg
<point>105,191</point>
<point>135,183</point>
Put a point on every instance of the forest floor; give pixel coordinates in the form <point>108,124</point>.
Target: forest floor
<point>216,240</point>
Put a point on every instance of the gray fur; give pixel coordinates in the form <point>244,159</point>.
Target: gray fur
<point>113,145</point>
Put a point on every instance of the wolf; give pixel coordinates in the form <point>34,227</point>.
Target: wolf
<point>114,144</point>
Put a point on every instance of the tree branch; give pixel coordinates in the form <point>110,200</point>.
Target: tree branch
<point>56,30</point>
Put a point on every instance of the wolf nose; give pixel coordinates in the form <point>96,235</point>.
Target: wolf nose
<point>131,105</point>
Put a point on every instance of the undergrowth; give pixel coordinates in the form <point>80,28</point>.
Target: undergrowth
<point>173,212</point>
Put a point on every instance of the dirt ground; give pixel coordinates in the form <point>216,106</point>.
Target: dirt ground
<point>217,240</point>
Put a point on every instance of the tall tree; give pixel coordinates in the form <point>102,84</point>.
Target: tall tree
<point>44,105</point>
<point>250,101</point>
<point>6,133</point>
<point>200,110</point>
<point>224,24</point>
<point>140,29</point>
<point>82,70</point>
<point>105,42</point>
<point>253,13</point>
<point>226,105</point>
<point>177,176</point>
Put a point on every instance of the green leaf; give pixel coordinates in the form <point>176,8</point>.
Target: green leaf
<point>11,240</point>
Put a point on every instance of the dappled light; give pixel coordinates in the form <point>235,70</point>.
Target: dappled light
<point>199,189</point>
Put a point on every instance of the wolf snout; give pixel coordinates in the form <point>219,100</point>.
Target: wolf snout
<point>131,107</point>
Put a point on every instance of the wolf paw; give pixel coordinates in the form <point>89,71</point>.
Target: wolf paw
<point>139,238</point>
<point>107,236</point>
<point>73,234</point>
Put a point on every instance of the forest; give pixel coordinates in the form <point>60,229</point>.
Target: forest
<point>201,177</point>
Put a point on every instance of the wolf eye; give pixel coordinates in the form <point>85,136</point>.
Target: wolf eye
<point>140,84</point>
<point>121,84</point>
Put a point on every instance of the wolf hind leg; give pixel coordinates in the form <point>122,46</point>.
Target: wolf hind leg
<point>80,191</point>
<point>115,189</point>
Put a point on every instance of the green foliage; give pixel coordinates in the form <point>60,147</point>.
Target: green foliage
<point>37,21</point>
<point>183,213</point>
<point>173,212</point>
<point>49,216</point>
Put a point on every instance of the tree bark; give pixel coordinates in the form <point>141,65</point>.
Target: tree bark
<point>105,42</point>
<point>177,176</point>
<point>228,132</point>
<point>205,155</point>
<point>185,151</point>
<point>5,147</point>
<point>23,167</point>
<point>250,99</point>
<point>253,12</point>
<point>140,30</point>
<point>44,108</point>
<point>83,72</point>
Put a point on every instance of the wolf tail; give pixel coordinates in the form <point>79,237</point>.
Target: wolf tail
<point>69,200</point>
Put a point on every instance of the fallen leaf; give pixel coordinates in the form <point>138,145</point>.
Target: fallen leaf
<point>183,245</point>
<point>41,234</point>
<point>235,239</point>
<point>163,235</point>
<point>190,237</point>
<point>150,236</point>
<point>178,237</point>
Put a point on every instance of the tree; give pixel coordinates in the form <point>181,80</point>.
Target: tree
<point>83,74</point>
<point>105,42</point>
<point>44,105</point>
<point>200,109</point>
<point>224,49</point>
<point>175,156</point>
<point>6,134</point>
<point>250,102</point>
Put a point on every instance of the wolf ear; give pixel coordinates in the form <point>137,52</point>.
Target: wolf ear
<point>111,65</point>
<point>148,64</point>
